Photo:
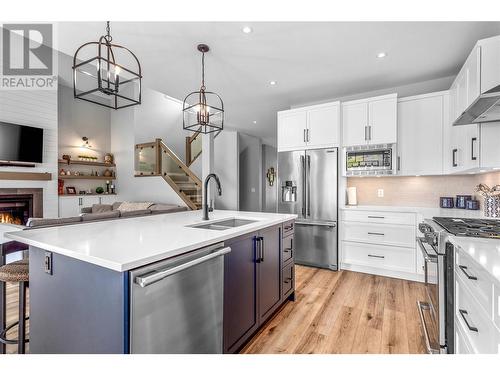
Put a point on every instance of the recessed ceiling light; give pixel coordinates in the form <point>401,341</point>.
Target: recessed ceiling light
<point>254,121</point>
<point>247,29</point>
<point>272,83</point>
<point>381,55</point>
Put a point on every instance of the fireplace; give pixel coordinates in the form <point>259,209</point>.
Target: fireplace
<point>16,208</point>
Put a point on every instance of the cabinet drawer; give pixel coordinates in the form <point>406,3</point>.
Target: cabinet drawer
<point>287,248</point>
<point>462,346</point>
<point>476,279</point>
<point>288,279</point>
<point>477,326</point>
<point>379,256</point>
<point>384,234</point>
<point>406,218</point>
<point>288,227</point>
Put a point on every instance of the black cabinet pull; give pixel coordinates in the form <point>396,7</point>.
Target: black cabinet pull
<point>289,227</point>
<point>463,313</point>
<point>464,270</point>
<point>256,246</point>
<point>454,157</point>
<point>261,247</point>
<point>376,256</point>
<point>376,217</point>
<point>473,140</point>
<point>288,249</point>
<point>287,280</point>
<point>376,234</point>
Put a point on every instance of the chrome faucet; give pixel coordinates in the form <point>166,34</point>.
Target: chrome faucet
<point>219,189</point>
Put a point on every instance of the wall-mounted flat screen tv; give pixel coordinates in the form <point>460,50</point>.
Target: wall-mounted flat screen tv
<point>19,143</point>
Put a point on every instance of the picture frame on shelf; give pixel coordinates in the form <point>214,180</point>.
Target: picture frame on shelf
<point>70,190</point>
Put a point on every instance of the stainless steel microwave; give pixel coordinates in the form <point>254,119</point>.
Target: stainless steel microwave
<point>370,160</point>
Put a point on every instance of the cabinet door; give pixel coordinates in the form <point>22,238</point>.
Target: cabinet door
<point>461,92</point>
<point>420,135</point>
<point>291,130</point>
<point>69,206</point>
<point>382,121</point>
<point>490,155</point>
<point>354,123</point>
<point>473,65</point>
<point>269,272</point>
<point>470,145</point>
<point>323,126</point>
<point>490,63</point>
<point>240,293</point>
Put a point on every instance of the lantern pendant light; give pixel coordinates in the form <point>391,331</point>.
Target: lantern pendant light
<point>203,111</point>
<point>99,78</point>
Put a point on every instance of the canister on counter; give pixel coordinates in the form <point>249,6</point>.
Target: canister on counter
<point>446,202</point>
<point>461,201</point>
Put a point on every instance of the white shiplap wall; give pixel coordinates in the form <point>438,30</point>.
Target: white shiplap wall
<point>36,108</point>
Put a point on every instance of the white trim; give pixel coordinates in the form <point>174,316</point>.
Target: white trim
<point>371,99</point>
<point>382,272</point>
<point>423,96</point>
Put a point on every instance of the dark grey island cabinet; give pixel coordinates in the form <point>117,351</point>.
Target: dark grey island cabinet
<point>258,279</point>
<point>79,307</point>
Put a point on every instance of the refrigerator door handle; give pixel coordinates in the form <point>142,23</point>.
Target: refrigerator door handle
<point>303,165</point>
<point>308,187</point>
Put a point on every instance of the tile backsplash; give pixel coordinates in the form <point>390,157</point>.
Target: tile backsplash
<point>423,191</point>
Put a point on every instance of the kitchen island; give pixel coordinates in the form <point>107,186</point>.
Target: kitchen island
<point>157,284</point>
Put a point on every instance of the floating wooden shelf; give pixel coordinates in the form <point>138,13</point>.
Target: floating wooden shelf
<point>86,177</point>
<point>38,176</point>
<point>81,162</point>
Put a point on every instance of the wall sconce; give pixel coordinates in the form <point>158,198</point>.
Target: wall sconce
<point>86,142</point>
<point>271,174</point>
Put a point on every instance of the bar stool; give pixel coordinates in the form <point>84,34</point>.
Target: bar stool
<point>16,272</point>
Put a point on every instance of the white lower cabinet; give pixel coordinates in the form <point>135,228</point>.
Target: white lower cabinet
<point>70,206</point>
<point>379,242</point>
<point>477,299</point>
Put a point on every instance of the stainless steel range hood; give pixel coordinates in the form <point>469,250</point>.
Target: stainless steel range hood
<point>486,108</point>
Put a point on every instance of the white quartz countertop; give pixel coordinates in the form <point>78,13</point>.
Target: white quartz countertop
<point>486,252</point>
<point>6,228</point>
<point>125,244</point>
<point>425,212</point>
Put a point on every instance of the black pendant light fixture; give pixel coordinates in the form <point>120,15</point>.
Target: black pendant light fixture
<point>107,74</point>
<point>203,111</point>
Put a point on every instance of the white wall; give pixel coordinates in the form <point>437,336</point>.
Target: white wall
<point>226,156</point>
<point>39,109</point>
<point>125,133</point>
<point>250,173</point>
<point>269,193</point>
<point>160,116</point>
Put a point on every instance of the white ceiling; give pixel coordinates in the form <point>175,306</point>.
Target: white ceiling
<point>310,61</point>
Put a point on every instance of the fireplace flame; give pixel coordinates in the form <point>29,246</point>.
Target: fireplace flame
<point>7,218</point>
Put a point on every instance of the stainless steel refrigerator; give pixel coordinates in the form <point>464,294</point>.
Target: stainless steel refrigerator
<point>307,186</point>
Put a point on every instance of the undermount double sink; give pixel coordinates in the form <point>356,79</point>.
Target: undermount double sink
<point>223,224</point>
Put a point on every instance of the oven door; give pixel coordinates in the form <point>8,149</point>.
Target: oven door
<point>429,309</point>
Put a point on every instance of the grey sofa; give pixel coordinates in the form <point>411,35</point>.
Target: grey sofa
<point>100,212</point>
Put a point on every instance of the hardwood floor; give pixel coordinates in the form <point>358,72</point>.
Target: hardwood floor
<point>335,312</point>
<point>345,312</point>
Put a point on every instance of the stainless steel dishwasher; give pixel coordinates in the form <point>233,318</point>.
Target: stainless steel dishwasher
<point>176,305</point>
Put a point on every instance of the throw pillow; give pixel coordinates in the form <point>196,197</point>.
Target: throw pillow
<point>134,206</point>
<point>98,208</point>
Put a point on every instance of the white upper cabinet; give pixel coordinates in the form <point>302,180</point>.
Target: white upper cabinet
<point>323,126</point>
<point>382,121</point>
<point>291,130</point>
<point>420,134</point>
<point>490,63</point>
<point>464,150</point>
<point>370,121</point>
<point>309,127</point>
<point>355,123</point>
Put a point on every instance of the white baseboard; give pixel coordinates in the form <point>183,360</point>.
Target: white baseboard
<point>382,272</point>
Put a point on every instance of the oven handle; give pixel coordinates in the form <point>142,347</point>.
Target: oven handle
<point>427,257</point>
<point>421,307</point>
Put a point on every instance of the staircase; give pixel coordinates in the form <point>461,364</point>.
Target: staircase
<point>156,159</point>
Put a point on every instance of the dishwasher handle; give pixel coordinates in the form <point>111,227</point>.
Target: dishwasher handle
<point>160,275</point>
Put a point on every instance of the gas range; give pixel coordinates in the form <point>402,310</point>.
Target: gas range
<point>483,228</point>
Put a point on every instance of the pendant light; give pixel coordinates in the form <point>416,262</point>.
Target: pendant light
<point>203,111</point>
<point>107,74</point>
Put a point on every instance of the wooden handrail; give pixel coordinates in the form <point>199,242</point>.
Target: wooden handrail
<point>178,161</point>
